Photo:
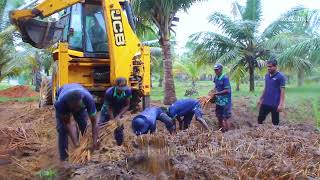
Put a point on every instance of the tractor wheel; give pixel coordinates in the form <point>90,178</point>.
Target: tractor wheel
<point>45,92</point>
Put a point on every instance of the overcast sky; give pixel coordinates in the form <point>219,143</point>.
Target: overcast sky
<point>196,18</point>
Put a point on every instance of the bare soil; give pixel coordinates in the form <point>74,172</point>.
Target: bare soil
<point>28,145</point>
<point>18,92</point>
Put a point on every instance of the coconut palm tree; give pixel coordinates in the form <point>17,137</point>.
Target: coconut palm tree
<point>294,38</point>
<point>239,44</point>
<point>162,14</point>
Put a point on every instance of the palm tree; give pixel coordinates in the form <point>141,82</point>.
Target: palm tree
<point>5,7</point>
<point>162,14</point>
<point>7,66</point>
<point>239,44</point>
<point>296,40</point>
<point>193,70</point>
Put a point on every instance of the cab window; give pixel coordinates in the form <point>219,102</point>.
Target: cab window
<point>75,30</point>
<point>96,38</point>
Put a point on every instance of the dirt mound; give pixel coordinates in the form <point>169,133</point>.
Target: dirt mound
<point>18,91</point>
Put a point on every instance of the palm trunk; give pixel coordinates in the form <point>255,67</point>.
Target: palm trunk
<point>300,77</point>
<point>251,76</point>
<point>237,85</point>
<point>47,72</point>
<point>160,82</point>
<point>37,73</point>
<point>2,14</point>
<point>169,88</point>
<point>193,84</point>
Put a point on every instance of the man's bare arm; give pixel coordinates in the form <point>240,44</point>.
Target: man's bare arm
<point>95,131</point>
<point>72,130</point>
<point>282,98</point>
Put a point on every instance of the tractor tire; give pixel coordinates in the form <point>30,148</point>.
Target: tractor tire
<point>45,92</point>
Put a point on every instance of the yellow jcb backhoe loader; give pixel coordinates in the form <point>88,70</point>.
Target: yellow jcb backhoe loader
<point>96,43</point>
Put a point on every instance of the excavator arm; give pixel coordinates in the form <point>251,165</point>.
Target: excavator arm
<point>41,34</point>
<point>44,9</point>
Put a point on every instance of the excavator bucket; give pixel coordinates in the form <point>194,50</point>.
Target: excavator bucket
<point>41,34</point>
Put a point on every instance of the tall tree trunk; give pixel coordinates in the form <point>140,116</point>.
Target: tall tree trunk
<point>251,76</point>
<point>46,70</point>
<point>193,84</point>
<point>3,4</point>
<point>300,77</point>
<point>237,85</point>
<point>37,73</point>
<point>160,81</point>
<point>169,88</point>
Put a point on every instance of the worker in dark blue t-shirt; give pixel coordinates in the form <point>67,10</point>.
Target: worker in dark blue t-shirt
<point>116,101</point>
<point>76,100</point>
<point>223,98</point>
<point>272,98</point>
<point>146,121</point>
<point>186,108</point>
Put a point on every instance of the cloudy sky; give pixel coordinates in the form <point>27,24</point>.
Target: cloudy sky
<point>196,18</point>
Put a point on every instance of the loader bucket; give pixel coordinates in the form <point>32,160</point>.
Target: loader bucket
<point>41,34</point>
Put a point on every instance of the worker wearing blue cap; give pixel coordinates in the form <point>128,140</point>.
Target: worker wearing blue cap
<point>186,108</point>
<point>145,122</point>
<point>223,97</point>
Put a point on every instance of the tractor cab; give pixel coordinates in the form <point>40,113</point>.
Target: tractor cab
<point>82,25</point>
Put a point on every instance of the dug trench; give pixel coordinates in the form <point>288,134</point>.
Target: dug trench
<point>28,146</point>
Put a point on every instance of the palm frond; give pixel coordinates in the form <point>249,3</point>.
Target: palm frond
<point>295,63</point>
<point>252,11</point>
<point>238,71</point>
<point>307,47</point>
<point>281,41</point>
<point>237,30</point>
<point>287,22</point>
<point>229,56</point>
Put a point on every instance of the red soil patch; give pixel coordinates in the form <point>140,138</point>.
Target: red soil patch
<point>17,92</point>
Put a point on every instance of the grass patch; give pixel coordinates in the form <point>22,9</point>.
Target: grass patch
<point>4,86</point>
<point>299,100</point>
<point>23,99</point>
<point>47,174</point>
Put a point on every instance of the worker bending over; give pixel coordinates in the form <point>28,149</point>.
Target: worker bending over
<point>116,101</point>
<point>186,108</point>
<point>146,121</point>
<point>76,100</point>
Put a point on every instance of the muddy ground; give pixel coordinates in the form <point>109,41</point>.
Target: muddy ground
<point>28,145</point>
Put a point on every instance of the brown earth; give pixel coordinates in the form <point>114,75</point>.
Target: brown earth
<point>248,151</point>
<point>18,91</point>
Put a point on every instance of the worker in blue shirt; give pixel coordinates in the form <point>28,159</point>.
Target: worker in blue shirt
<point>272,98</point>
<point>74,99</point>
<point>146,121</point>
<point>186,108</point>
<point>116,101</point>
<point>222,98</point>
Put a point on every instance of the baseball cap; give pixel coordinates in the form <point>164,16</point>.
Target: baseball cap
<point>139,126</point>
<point>218,66</point>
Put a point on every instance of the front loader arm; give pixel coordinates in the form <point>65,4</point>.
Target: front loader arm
<point>44,9</point>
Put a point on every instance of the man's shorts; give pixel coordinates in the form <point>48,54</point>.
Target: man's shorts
<point>223,112</point>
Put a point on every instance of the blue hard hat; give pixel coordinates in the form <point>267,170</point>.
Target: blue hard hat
<point>218,66</point>
<point>139,126</point>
